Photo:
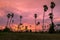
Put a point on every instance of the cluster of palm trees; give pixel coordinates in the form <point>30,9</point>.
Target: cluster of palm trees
<point>50,16</point>
<point>11,15</point>
<point>10,19</point>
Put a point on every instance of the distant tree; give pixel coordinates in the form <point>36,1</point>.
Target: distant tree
<point>12,15</point>
<point>6,28</point>
<point>30,28</point>
<point>26,28</point>
<point>8,16</point>
<point>11,19</point>
<point>20,21</point>
<point>35,16</point>
<point>45,9</point>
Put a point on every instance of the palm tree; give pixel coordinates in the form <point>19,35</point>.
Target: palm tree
<point>11,19</point>
<point>8,16</point>
<point>51,17</point>
<point>45,9</point>
<point>6,28</point>
<point>20,21</point>
<point>35,16</point>
<point>12,15</point>
<point>52,24</point>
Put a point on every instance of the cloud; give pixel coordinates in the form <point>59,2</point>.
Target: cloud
<point>27,8</point>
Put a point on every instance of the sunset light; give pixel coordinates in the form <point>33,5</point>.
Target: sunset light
<point>27,9</point>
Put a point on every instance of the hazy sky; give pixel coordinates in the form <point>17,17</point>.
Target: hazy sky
<point>27,8</point>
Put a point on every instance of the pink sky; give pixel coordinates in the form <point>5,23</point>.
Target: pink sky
<point>27,8</point>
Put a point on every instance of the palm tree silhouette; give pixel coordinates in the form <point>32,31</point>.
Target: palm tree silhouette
<point>35,16</point>
<point>12,15</point>
<point>20,21</point>
<point>11,19</point>
<point>8,16</point>
<point>51,17</point>
<point>45,9</point>
<point>52,24</point>
<point>7,25</point>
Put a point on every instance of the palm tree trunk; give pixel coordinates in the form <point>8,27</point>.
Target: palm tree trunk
<point>43,22</point>
<point>19,24</point>
<point>7,23</point>
<point>10,23</point>
<point>52,14</point>
<point>35,24</point>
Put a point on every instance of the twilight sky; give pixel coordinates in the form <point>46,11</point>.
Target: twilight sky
<point>27,8</point>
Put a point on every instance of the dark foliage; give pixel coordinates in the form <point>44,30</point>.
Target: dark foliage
<point>6,30</point>
<point>52,5</point>
<point>51,30</point>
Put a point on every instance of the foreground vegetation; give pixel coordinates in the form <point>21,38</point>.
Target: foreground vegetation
<point>28,36</point>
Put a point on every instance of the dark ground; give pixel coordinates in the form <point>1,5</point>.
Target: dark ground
<point>28,36</point>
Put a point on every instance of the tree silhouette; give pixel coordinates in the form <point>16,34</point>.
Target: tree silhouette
<point>30,28</point>
<point>26,28</point>
<point>35,16</point>
<point>45,9</point>
<point>12,15</point>
<point>51,30</point>
<point>20,21</point>
<point>11,18</point>
<point>8,16</point>
<point>6,28</point>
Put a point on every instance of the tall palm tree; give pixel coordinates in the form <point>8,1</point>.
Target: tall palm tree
<point>20,21</point>
<point>12,15</point>
<point>52,23</point>
<point>52,7</point>
<point>35,16</point>
<point>45,9</point>
<point>11,19</point>
<point>51,17</point>
<point>8,16</point>
<point>7,25</point>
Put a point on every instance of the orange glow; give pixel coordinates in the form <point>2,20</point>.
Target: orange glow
<point>2,27</point>
<point>14,27</point>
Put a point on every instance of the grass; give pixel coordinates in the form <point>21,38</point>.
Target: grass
<point>28,36</point>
